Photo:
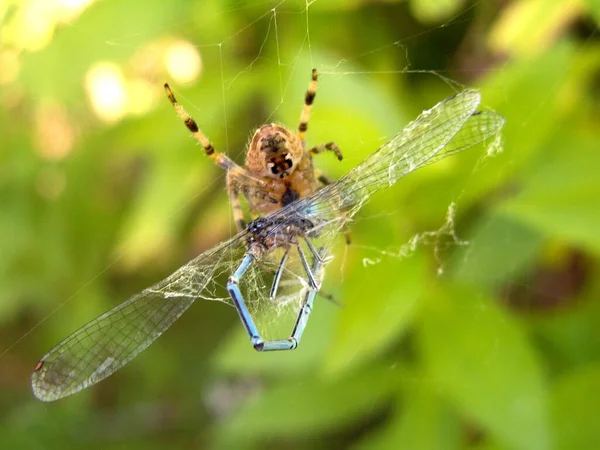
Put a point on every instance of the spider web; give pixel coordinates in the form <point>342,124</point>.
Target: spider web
<point>273,24</point>
<point>104,165</point>
<point>277,21</point>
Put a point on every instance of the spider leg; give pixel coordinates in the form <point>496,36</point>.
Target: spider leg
<point>218,158</point>
<point>277,277</point>
<point>234,197</point>
<point>239,180</point>
<point>329,147</point>
<point>308,101</point>
<point>323,179</point>
<point>240,305</point>
<point>331,298</point>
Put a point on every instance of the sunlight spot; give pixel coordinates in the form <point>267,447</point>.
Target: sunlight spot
<point>105,86</point>
<point>183,62</point>
<point>142,96</point>
<point>37,28</point>
<point>69,10</point>
<point>9,61</point>
<point>31,27</point>
<point>54,134</point>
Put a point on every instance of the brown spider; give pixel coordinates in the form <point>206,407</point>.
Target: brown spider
<point>278,167</point>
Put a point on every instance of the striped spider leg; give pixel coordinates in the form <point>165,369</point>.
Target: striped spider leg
<point>311,92</point>
<point>236,175</point>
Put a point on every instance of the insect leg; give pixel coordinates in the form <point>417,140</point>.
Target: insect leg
<point>311,278</point>
<point>240,305</point>
<point>277,278</point>
<point>238,300</point>
<point>303,316</point>
<point>314,251</point>
<point>307,305</point>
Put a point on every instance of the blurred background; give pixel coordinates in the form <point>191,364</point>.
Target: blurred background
<point>470,293</point>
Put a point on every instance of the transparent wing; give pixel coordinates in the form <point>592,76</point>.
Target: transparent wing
<point>109,342</point>
<point>450,127</point>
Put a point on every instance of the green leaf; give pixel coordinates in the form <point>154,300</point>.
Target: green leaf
<point>433,11</point>
<point>377,311</point>
<point>570,334</point>
<point>422,421</point>
<point>529,27</point>
<point>499,248</point>
<point>480,360</point>
<point>522,97</point>
<point>310,406</point>
<point>566,209</point>
<point>575,411</point>
<point>594,7</point>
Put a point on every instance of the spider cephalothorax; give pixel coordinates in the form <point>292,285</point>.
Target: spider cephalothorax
<point>274,151</point>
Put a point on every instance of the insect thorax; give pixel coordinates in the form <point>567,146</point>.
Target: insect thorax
<point>268,233</point>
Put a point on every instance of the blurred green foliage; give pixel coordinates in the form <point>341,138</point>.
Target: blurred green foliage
<point>485,335</point>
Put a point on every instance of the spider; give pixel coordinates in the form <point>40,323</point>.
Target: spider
<point>278,169</point>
